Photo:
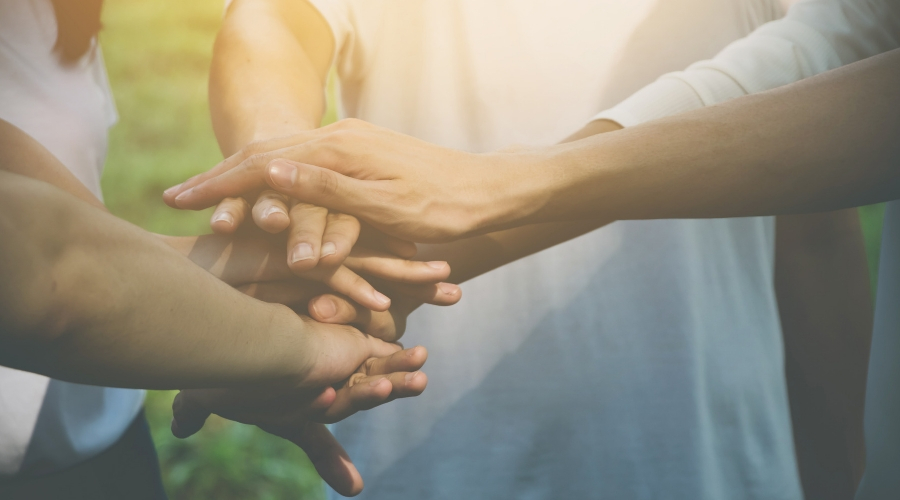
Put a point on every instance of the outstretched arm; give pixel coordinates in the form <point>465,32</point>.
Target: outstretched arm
<point>825,143</point>
<point>91,299</point>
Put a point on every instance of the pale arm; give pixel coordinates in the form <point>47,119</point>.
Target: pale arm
<point>269,67</point>
<point>267,78</point>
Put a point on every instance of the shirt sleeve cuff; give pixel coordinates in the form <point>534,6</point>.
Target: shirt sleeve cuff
<point>664,97</point>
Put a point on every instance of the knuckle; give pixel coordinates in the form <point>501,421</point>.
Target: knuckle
<point>337,140</point>
<point>235,204</point>
<point>346,220</point>
<point>326,181</point>
<point>257,161</point>
<point>355,379</point>
<point>271,196</point>
<point>256,147</point>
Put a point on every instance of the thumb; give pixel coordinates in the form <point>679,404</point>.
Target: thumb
<point>319,186</point>
<point>338,351</point>
<point>187,416</point>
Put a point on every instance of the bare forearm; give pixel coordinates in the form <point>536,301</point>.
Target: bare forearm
<point>269,66</point>
<point>92,299</point>
<point>472,257</point>
<point>821,279</point>
<point>825,143</point>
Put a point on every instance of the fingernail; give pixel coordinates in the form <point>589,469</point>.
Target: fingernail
<point>448,288</point>
<point>224,217</point>
<point>302,251</point>
<point>328,248</point>
<point>325,308</point>
<point>184,195</point>
<point>375,383</point>
<point>172,189</point>
<point>273,210</point>
<point>283,174</point>
<point>436,264</point>
<point>410,376</point>
<point>381,298</point>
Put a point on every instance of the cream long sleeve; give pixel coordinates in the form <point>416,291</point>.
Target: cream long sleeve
<point>813,37</point>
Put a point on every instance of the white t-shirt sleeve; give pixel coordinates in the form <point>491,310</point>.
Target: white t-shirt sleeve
<point>815,36</point>
<point>337,16</point>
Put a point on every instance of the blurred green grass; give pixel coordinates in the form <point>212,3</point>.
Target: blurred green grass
<point>158,53</point>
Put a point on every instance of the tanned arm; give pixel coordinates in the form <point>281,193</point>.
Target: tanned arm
<point>89,298</point>
<point>825,143</point>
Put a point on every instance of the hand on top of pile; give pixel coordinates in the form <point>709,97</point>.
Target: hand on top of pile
<point>400,185</point>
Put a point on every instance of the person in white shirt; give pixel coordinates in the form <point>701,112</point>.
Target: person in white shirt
<point>674,323</point>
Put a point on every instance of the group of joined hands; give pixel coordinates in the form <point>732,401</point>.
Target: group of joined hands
<point>321,263</point>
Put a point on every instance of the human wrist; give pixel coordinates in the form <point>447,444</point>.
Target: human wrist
<point>519,187</point>
<point>578,179</point>
<point>291,345</point>
<point>523,186</point>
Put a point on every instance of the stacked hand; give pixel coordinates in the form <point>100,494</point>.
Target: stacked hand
<point>345,371</point>
<point>322,263</point>
<point>298,411</point>
<point>400,185</point>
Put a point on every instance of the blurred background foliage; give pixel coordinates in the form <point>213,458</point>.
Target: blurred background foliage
<point>158,54</point>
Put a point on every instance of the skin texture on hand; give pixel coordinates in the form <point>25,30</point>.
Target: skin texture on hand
<point>252,256</point>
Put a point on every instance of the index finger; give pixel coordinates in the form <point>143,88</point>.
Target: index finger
<point>236,159</point>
